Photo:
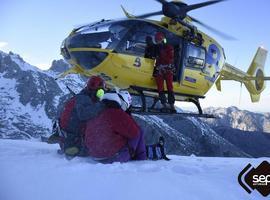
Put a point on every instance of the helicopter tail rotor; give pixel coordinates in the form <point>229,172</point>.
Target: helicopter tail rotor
<point>256,83</point>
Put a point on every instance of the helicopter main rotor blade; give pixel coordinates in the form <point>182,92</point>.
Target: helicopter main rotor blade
<point>217,32</point>
<point>161,1</point>
<point>200,5</point>
<point>150,14</point>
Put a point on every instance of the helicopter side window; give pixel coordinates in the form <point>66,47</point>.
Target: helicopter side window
<point>136,44</point>
<point>118,32</point>
<point>135,41</point>
<point>139,42</point>
<point>142,34</point>
<point>195,56</point>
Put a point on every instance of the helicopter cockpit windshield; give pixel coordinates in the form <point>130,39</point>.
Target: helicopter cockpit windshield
<point>106,35</point>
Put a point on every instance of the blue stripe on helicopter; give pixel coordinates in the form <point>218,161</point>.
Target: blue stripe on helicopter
<point>190,79</point>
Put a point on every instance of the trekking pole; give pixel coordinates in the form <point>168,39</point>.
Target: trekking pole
<point>72,92</point>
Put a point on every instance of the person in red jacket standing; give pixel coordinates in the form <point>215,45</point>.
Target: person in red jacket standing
<point>114,136</point>
<point>163,70</point>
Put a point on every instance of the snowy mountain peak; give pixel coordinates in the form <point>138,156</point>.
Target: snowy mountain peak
<point>59,66</point>
<point>233,109</point>
<point>23,65</point>
<point>15,62</point>
<point>17,56</point>
<point>239,119</point>
<point>2,53</point>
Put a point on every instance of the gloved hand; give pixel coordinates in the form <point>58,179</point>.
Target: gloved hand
<point>173,70</point>
<point>155,72</point>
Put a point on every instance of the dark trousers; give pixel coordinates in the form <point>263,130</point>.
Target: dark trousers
<point>135,150</point>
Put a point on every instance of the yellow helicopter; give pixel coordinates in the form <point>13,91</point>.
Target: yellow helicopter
<point>115,50</point>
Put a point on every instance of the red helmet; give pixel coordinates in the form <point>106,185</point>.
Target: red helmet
<point>95,82</point>
<point>159,37</point>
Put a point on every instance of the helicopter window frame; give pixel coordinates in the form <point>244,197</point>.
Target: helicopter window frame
<point>193,61</point>
<point>133,49</point>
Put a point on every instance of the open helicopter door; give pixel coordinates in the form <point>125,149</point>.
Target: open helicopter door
<point>179,55</point>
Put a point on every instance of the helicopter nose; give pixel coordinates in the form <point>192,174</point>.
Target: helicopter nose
<point>88,59</point>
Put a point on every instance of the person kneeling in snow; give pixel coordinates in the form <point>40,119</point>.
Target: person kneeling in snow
<point>114,136</point>
<point>77,111</point>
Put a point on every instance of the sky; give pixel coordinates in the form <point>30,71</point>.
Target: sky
<point>35,29</point>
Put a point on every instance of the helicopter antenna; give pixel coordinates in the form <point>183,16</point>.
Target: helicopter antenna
<point>240,96</point>
<point>128,15</point>
<point>241,84</point>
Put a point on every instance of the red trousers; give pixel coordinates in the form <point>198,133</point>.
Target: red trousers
<point>168,77</point>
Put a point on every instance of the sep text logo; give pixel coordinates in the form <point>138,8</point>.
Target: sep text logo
<point>258,178</point>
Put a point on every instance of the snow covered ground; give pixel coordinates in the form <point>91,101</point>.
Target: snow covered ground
<point>31,170</point>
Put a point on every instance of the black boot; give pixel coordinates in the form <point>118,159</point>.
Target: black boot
<point>162,97</point>
<point>72,144</point>
<point>163,100</point>
<point>162,148</point>
<point>171,100</point>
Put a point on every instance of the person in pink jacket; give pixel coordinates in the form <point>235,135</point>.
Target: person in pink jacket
<point>114,136</point>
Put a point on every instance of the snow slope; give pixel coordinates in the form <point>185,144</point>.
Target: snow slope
<point>30,170</point>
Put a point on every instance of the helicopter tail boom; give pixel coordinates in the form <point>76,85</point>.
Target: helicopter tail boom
<point>253,79</point>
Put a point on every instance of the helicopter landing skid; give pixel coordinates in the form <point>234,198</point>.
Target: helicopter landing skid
<point>152,110</point>
<point>162,112</point>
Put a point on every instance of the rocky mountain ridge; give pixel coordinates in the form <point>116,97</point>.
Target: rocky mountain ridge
<point>29,97</point>
<point>239,119</point>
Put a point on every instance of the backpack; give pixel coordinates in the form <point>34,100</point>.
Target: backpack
<point>66,113</point>
<point>157,151</point>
